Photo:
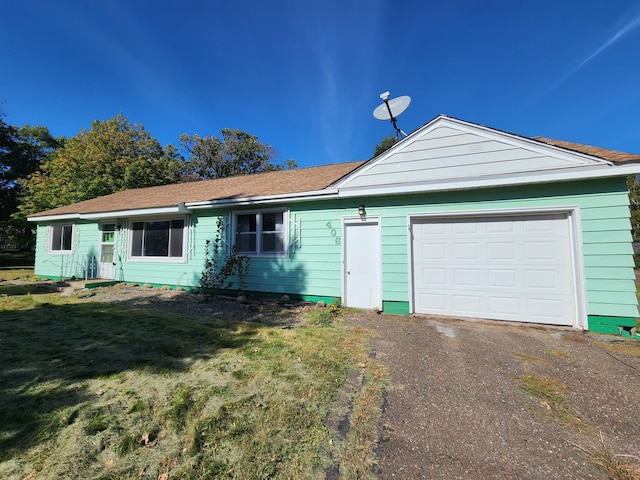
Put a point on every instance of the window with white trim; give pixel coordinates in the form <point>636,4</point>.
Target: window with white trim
<point>61,238</point>
<point>261,233</point>
<point>158,238</point>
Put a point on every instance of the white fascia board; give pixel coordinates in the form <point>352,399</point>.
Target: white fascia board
<point>290,197</point>
<point>117,214</point>
<point>520,179</point>
<point>135,213</point>
<point>47,218</point>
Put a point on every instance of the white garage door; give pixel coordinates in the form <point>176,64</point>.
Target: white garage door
<point>516,268</point>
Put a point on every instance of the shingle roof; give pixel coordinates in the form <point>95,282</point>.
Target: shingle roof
<point>604,153</point>
<point>280,182</point>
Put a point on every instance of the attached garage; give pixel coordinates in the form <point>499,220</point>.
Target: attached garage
<point>517,267</point>
<point>481,223</point>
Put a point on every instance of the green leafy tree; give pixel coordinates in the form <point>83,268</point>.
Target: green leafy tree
<point>111,156</point>
<point>384,145</point>
<point>22,149</point>
<point>235,153</point>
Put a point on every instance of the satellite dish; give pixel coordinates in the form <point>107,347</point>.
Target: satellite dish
<point>392,109</point>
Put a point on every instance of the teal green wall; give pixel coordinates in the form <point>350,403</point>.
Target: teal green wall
<point>313,268</point>
<point>605,225</point>
<point>63,265</point>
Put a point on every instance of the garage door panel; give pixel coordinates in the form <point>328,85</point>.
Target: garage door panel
<point>551,280</point>
<point>502,278</point>
<point>436,251</point>
<point>438,302</point>
<point>467,277</point>
<point>501,251</point>
<point>500,227</point>
<point>501,306</point>
<point>435,278</point>
<point>431,228</point>
<point>505,267</point>
<point>466,251</point>
<point>549,250</point>
<point>464,227</point>
<point>549,308</point>
<point>468,305</point>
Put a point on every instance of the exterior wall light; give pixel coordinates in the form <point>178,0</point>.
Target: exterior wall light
<point>361,211</point>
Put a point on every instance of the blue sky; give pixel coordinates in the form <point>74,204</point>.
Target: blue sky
<point>305,76</point>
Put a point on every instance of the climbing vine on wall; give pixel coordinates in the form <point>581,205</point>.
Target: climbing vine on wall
<point>219,270</point>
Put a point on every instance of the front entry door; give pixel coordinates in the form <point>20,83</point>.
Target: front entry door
<point>107,258</point>
<point>362,270</point>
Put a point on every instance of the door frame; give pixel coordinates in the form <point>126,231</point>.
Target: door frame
<point>356,220</point>
<point>581,319</point>
<point>115,246</point>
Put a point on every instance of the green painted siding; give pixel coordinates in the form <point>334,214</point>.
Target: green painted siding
<point>613,326</point>
<point>313,267</point>
<point>50,264</point>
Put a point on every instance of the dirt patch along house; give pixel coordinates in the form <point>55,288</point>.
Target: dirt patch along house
<point>456,219</point>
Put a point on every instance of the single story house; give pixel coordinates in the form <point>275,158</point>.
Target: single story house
<point>457,219</point>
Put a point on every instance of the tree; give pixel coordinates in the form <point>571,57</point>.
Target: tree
<point>111,156</point>
<point>384,145</point>
<point>236,153</point>
<point>21,152</point>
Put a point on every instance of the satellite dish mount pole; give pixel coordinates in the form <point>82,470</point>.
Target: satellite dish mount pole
<point>385,99</point>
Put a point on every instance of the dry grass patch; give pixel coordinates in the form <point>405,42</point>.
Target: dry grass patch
<point>561,354</point>
<point>552,394</point>
<point>531,359</point>
<point>16,274</point>
<point>629,347</point>
<point>616,466</point>
<point>577,337</point>
<point>102,390</point>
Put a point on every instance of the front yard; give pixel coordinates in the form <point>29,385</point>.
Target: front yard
<point>101,385</point>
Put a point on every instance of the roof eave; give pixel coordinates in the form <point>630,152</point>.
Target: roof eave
<point>502,181</point>
<point>115,214</point>
<point>240,201</point>
<point>190,206</point>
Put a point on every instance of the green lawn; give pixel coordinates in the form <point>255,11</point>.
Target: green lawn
<point>105,390</point>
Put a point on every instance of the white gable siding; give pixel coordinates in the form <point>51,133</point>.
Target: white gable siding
<point>456,151</point>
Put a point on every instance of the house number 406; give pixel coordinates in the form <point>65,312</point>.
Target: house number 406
<point>333,232</point>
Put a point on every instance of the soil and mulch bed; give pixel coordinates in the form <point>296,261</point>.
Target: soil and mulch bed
<point>257,309</point>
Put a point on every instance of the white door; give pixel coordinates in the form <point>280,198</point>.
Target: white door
<point>362,270</point>
<point>516,268</point>
<point>106,256</point>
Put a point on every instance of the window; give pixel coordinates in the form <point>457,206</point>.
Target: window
<point>157,238</point>
<point>61,237</point>
<point>261,233</point>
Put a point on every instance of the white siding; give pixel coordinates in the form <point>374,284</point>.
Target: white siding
<point>449,153</point>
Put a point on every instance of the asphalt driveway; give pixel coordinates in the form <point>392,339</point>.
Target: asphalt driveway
<point>457,408</point>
